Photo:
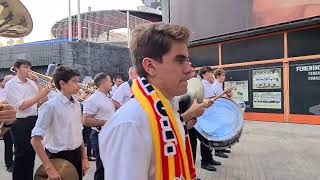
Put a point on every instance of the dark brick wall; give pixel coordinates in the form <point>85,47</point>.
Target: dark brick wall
<point>87,57</point>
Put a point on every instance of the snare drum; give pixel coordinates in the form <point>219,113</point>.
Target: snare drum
<point>221,124</point>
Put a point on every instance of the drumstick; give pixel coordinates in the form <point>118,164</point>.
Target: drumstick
<point>213,98</point>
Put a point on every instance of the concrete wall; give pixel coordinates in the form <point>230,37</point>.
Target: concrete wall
<point>87,57</point>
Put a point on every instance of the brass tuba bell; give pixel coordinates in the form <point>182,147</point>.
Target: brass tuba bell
<point>15,20</point>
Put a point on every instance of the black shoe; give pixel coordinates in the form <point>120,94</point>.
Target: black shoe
<point>225,151</point>
<point>208,167</point>
<point>197,179</point>
<point>10,169</point>
<point>220,154</point>
<point>91,158</point>
<point>216,163</point>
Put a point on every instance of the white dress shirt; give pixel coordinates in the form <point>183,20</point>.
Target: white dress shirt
<point>113,89</point>
<point>217,88</point>
<point>207,89</point>
<point>99,105</point>
<point>3,95</point>
<point>126,144</point>
<point>18,92</point>
<point>59,123</point>
<point>123,94</point>
<point>53,93</point>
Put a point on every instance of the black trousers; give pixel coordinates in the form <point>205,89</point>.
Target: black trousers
<point>8,149</point>
<point>86,140</point>
<point>23,150</point>
<point>99,174</point>
<point>206,152</point>
<point>73,156</point>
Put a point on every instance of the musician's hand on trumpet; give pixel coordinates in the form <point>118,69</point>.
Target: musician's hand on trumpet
<point>7,113</point>
<point>82,95</point>
<point>43,92</point>
<point>51,86</point>
<point>32,76</point>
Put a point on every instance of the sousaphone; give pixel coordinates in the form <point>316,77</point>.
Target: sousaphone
<point>15,20</point>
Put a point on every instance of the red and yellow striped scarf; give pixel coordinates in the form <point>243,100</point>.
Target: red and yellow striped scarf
<point>173,158</point>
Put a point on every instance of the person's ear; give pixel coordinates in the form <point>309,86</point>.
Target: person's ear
<point>149,66</point>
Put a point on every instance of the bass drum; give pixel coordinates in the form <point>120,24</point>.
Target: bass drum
<point>221,124</point>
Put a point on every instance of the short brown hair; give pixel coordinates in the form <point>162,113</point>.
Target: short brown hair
<point>63,74</point>
<point>153,40</point>
<point>20,62</point>
<point>218,72</point>
<point>204,70</point>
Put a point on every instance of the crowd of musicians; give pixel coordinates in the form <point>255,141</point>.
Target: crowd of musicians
<point>136,129</point>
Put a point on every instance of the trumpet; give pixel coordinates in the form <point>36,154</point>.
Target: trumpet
<point>44,80</point>
<point>47,81</point>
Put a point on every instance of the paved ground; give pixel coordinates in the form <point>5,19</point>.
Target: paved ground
<point>267,151</point>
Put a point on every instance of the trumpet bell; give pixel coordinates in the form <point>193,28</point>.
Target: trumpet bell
<point>15,20</point>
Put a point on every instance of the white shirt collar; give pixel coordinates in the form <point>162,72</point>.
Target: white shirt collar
<point>100,93</point>
<point>18,80</point>
<point>64,99</point>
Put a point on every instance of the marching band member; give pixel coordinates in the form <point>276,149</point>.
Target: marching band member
<point>117,80</point>
<point>24,94</point>
<point>97,110</point>
<point>59,123</point>
<point>123,94</point>
<point>207,162</point>
<point>145,139</point>
<point>217,87</point>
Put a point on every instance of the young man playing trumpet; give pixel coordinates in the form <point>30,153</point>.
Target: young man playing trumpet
<point>59,123</point>
<point>24,94</point>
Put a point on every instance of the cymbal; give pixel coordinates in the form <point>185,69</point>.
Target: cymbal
<point>15,20</point>
<point>66,170</point>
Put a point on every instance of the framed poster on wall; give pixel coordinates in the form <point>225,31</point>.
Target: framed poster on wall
<point>240,91</point>
<point>266,78</point>
<point>267,100</point>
